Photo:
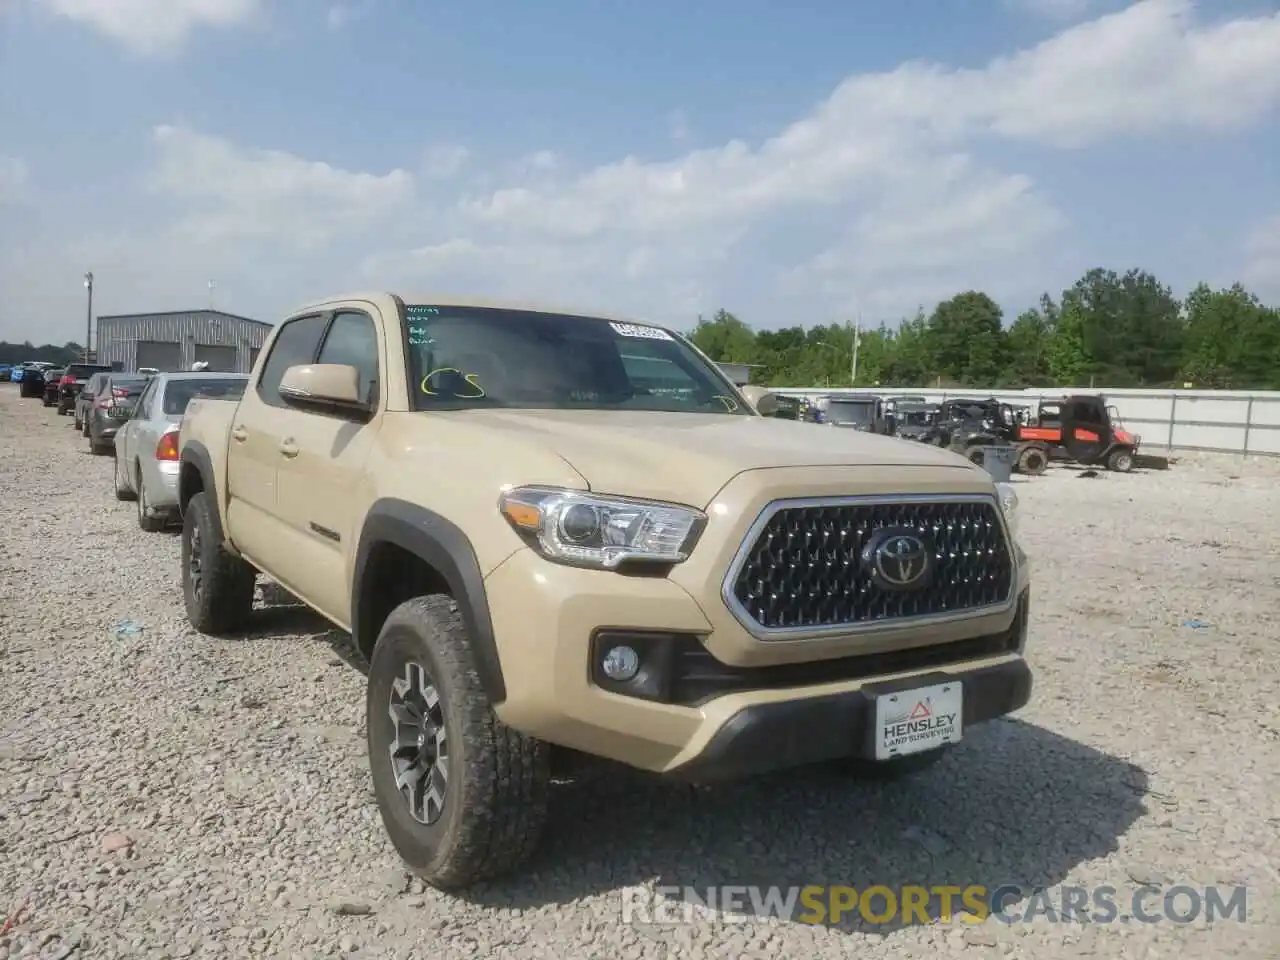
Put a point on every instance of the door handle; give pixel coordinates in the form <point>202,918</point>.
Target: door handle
<point>239,434</point>
<point>288,448</point>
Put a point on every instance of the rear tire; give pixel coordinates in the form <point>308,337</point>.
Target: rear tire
<point>887,771</point>
<point>1033,461</point>
<point>1121,461</point>
<point>217,586</point>
<point>149,523</point>
<point>486,812</point>
<point>976,456</point>
<point>122,491</point>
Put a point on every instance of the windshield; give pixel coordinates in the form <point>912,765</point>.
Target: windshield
<point>131,386</point>
<point>485,357</point>
<point>847,411</point>
<point>178,393</point>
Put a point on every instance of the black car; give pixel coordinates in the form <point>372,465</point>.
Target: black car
<point>112,408</point>
<point>52,380</point>
<point>73,380</point>
<point>33,379</point>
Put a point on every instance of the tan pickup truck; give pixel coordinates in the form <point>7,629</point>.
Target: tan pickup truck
<point>565,536</point>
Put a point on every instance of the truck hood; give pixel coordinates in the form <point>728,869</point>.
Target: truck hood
<point>689,457</point>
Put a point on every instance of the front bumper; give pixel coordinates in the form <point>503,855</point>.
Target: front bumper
<point>769,736</point>
<point>694,714</point>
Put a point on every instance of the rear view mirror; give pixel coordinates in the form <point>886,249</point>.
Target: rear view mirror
<point>330,387</point>
<point>764,401</point>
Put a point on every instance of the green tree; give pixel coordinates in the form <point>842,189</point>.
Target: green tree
<point>909,362</point>
<point>1027,356</point>
<point>725,339</point>
<point>966,339</point>
<point>1232,340</point>
<point>1131,327</point>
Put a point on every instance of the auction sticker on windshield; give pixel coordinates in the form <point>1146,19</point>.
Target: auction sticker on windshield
<point>912,721</point>
<point>639,330</point>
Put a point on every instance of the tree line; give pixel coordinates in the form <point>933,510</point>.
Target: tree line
<point>15,353</point>
<point>1107,330</point>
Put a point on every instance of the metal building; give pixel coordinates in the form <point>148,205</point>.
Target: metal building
<point>174,341</point>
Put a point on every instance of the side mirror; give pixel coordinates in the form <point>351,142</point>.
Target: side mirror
<point>763,400</point>
<point>325,387</point>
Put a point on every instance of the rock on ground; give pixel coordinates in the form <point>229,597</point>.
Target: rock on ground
<point>164,794</point>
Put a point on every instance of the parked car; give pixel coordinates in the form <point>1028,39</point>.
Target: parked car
<point>73,381</point>
<point>33,378</point>
<point>147,445</point>
<point>543,562</point>
<point>111,408</point>
<point>52,381</point>
<point>5,370</point>
<point>84,401</point>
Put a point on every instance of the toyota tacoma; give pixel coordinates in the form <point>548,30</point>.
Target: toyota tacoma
<point>559,535</point>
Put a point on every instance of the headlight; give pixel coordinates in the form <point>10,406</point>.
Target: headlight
<point>1008,498</point>
<point>583,529</point>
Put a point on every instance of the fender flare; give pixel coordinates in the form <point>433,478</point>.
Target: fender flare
<point>195,455</point>
<point>439,543</point>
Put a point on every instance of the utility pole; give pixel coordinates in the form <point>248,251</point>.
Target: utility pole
<point>853,362</point>
<point>211,286</point>
<point>88,315</point>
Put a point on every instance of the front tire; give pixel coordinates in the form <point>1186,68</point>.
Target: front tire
<point>479,814</point>
<point>1121,461</point>
<point>217,586</point>
<point>1032,461</point>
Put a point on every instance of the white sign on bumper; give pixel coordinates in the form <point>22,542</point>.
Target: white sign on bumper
<point>913,721</point>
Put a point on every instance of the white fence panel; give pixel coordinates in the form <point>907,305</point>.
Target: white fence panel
<point>1226,421</point>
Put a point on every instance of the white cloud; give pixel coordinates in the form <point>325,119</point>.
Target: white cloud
<point>890,146</point>
<point>234,192</point>
<point>155,26</point>
<point>14,179</point>
<point>946,225</point>
<point>890,193</point>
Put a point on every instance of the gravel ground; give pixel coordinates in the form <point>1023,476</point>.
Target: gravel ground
<point>166,794</point>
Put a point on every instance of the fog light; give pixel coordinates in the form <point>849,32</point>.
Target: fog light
<point>620,663</point>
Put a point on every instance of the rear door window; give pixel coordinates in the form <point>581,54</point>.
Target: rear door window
<point>178,393</point>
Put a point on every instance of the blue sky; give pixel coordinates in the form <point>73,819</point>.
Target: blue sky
<point>793,162</point>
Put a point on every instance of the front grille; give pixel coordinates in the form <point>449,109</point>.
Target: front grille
<point>804,569</point>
